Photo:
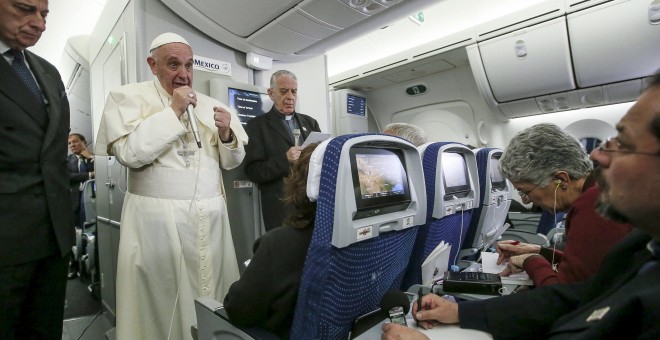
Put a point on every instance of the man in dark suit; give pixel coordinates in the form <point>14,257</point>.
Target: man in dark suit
<point>36,227</point>
<point>274,144</point>
<point>622,300</point>
<point>81,168</point>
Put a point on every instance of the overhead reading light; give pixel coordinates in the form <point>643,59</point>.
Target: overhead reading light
<point>367,7</point>
<point>654,12</point>
<point>388,2</point>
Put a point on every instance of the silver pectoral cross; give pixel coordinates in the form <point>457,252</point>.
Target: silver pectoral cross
<point>186,153</point>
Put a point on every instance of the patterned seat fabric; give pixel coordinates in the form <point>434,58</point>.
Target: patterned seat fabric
<point>450,229</point>
<point>340,284</point>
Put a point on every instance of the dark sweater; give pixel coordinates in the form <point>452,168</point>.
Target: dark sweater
<point>266,294</point>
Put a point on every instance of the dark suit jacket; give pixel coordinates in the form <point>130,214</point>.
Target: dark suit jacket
<point>35,204</point>
<point>265,159</point>
<point>628,299</point>
<point>75,179</point>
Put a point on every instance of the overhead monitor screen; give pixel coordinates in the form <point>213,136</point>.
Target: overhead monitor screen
<point>496,178</point>
<point>380,180</point>
<point>356,105</point>
<point>249,104</point>
<point>455,175</point>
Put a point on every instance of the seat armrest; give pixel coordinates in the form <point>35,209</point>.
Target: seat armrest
<point>526,237</point>
<point>213,323</point>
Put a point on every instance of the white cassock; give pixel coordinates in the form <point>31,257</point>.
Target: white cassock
<point>172,248</point>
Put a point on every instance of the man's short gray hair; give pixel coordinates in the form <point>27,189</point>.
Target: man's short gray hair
<point>273,78</point>
<point>535,154</point>
<point>413,133</point>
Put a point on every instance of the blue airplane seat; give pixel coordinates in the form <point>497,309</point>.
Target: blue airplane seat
<point>548,221</point>
<point>353,259</point>
<point>444,222</point>
<point>495,193</point>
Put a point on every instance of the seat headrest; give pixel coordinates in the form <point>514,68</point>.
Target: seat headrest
<point>314,171</point>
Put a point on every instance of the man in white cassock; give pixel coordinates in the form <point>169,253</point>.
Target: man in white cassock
<point>175,241</point>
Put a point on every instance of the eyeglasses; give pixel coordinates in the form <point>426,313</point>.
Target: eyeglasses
<point>525,195</point>
<point>612,144</point>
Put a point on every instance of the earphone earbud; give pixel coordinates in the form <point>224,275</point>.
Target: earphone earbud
<point>558,182</point>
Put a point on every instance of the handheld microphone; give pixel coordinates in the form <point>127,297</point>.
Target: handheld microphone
<point>396,305</point>
<point>193,125</point>
<point>296,135</point>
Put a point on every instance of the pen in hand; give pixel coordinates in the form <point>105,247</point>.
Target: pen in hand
<point>419,303</point>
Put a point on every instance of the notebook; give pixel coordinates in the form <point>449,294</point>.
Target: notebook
<point>436,263</point>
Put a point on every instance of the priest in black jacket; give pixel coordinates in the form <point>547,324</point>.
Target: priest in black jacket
<point>274,139</point>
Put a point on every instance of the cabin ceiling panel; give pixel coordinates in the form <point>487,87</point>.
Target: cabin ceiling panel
<point>410,71</point>
<point>241,17</point>
<point>419,71</point>
<point>289,30</point>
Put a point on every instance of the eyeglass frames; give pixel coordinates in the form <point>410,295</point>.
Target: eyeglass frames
<point>612,144</point>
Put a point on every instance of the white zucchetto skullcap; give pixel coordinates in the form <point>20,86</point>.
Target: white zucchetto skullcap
<point>167,38</point>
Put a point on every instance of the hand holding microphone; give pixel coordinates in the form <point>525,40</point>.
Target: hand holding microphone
<point>193,122</point>
<point>396,305</point>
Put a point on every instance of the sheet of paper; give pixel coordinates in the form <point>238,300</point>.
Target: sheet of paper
<point>489,265</point>
<point>520,279</point>
<point>316,137</point>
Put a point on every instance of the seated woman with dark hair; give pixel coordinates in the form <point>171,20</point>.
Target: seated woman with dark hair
<point>265,295</point>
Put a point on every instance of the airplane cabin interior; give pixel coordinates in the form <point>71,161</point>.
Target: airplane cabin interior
<point>470,73</point>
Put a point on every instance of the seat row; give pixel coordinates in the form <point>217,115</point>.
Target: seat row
<point>382,207</point>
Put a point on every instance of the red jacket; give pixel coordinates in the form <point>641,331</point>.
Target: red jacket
<point>589,236</point>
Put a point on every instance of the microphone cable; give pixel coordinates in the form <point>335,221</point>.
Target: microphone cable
<point>189,225</point>
<point>460,236</point>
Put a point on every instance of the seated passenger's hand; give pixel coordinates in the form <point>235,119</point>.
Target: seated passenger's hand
<point>509,248</point>
<point>516,264</point>
<point>293,153</point>
<point>435,310</point>
<point>399,332</point>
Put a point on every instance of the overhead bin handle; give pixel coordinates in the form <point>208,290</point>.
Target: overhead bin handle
<point>654,12</point>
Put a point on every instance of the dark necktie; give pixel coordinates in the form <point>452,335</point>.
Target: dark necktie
<point>24,73</point>
<point>83,165</point>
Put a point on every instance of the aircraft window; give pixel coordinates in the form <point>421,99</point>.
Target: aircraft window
<point>590,143</point>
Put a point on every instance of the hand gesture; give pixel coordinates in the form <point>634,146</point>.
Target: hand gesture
<point>393,331</point>
<point>435,310</point>
<point>222,119</point>
<point>509,248</point>
<point>516,264</point>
